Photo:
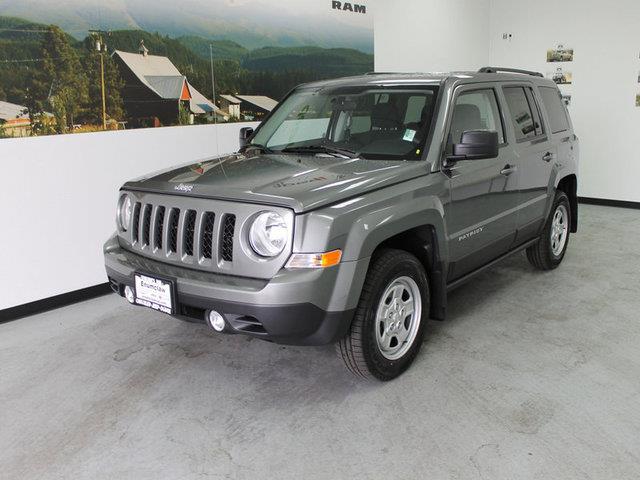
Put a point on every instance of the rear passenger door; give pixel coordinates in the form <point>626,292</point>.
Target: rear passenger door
<point>558,126</point>
<point>481,214</point>
<point>534,157</point>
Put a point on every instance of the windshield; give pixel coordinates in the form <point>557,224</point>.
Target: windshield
<point>370,122</point>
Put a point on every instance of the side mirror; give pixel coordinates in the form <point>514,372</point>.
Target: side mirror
<point>245,134</point>
<point>475,145</point>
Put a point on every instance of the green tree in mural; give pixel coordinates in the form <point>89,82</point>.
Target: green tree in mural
<point>61,67</point>
<point>184,115</point>
<point>112,81</point>
<point>3,95</point>
<point>35,97</point>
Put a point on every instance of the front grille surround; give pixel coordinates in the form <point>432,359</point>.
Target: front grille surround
<point>203,234</point>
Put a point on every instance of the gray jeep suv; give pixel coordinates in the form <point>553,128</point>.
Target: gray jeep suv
<point>352,209</point>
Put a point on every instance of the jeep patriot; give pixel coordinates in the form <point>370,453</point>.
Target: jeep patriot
<point>352,209</point>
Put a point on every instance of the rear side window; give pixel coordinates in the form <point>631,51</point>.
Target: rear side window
<point>524,123</point>
<point>555,109</point>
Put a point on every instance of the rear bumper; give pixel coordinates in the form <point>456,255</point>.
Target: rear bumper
<point>301,307</point>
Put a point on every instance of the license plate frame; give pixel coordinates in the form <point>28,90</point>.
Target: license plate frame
<point>163,298</point>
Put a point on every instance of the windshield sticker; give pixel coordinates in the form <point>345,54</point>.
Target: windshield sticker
<point>409,135</point>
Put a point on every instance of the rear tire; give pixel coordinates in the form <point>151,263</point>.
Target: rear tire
<point>388,325</point>
<point>548,253</point>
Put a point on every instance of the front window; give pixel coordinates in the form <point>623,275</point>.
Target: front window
<point>369,122</point>
<point>476,110</point>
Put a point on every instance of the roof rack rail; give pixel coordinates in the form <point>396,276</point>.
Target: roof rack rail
<point>384,73</point>
<point>509,70</point>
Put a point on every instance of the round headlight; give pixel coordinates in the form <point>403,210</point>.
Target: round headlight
<point>268,234</point>
<point>125,207</point>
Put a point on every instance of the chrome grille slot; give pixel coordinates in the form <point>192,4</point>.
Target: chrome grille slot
<point>146,224</point>
<point>226,244</point>
<point>158,228</point>
<point>206,240</point>
<point>174,218</point>
<point>189,232</point>
<point>135,223</point>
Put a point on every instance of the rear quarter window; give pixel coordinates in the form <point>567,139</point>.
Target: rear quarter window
<point>521,114</point>
<point>555,108</point>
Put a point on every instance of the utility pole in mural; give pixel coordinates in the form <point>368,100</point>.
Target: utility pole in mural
<point>101,48</point>
<point>213,82</point>
<point>104,109</point>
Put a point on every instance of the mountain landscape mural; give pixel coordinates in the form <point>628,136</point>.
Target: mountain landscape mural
<point>50,54</point>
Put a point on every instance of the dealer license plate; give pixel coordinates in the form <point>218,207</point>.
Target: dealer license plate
<point>154,293</point>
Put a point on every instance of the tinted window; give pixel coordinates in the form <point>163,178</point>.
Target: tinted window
<point>521,115</point>
<point>476,110</point>
<point>535,110</point>
<point>555,109</point>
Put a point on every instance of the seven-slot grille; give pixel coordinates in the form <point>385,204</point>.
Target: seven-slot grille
<point>189,235</point>
<point>206,234</point>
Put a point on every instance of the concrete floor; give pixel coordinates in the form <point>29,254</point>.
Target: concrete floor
<point>534,375</point>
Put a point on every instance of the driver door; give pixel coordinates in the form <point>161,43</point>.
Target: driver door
<point>481,216</point>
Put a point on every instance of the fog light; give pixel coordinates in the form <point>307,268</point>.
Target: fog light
<point>216,321</point>
<point>128,293</point>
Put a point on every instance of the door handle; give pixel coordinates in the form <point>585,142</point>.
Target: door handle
<point>508,169</point>
<point>547,157</point>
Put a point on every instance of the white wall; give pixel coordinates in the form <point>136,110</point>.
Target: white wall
<point>431,35</point>
<point>58,197</point>
<point>606,41</point>
<point>439,35</point>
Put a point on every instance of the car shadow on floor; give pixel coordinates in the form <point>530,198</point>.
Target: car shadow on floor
<point>486,287</point>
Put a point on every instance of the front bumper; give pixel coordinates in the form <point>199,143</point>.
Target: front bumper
<point>296,307</point>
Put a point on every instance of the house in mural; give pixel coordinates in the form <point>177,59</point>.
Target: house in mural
<point>156,90</point>
<point>254,107</point>
<point>230,104</point>
<point>246,107</point>
<point>14,120</point>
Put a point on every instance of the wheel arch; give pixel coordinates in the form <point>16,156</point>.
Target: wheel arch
<point>422,242</point>
<point>569,185</point>
<point>409,216</point>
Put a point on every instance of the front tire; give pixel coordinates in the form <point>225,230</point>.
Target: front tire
<point>550,249</point>
<point>388,325</point>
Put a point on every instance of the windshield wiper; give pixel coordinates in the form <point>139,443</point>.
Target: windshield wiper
<point>259,146</point>
<point>313,149</point>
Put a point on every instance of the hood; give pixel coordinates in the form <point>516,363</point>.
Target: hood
<point>300,182</point>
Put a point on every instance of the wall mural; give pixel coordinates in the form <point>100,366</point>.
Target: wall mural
<point>90,65</point>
